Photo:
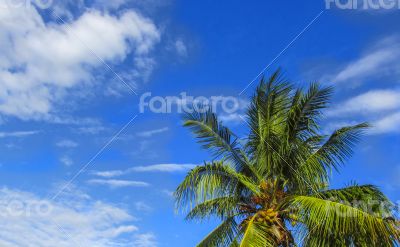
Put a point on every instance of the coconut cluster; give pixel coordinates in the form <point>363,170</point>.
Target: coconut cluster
<point>268,216</point>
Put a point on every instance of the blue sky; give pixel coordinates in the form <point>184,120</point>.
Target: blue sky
<point>81,165</point>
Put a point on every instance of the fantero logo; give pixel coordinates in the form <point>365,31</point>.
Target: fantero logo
<point>184,103</point>
<point>363,4</point>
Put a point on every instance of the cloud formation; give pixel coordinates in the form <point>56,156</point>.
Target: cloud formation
<point>40,62</point>
<point>387,124</point>
<point>18,133</point>
<point>114,183</point>
<point>76,221</point>
<point>67,161</point>
<point>378,106</point>
<point>67,144</point>
<point>150,133</point>
<point>379,61</point>
<point>374,101</point>
<point>169,168</point>
<point>181,48</point>
<point>145,240</point>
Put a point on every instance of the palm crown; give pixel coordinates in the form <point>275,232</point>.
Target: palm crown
<point>272,189</point>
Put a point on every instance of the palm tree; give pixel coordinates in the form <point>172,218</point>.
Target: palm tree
<point>272,188</point>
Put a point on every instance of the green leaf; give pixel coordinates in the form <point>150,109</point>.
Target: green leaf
<point>327,218</point>
<point>223,235</point>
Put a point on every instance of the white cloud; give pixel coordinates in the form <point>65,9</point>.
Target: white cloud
<point>164,168</point>
<point>232,118</point>
<point>387,124</point>
<point>67,144</point>
<point>379,107</point>
<point>170,168</point>
<point>150,133</point>
<point>374,101</point>
<point>11,145</point>
<point>67,161</point>
<point>366,65</point>
<point>142,206</point>
<point>18,133</point>
<point>181,48</point>
<point>145,240</point>
<point>114,183</point>
<point>109,174</point>
<point>40,62</point>
<point>332,126</point>
<point>90,130</point>
<point>168,193</point>
<point>71,120</point>
<point>75,221</point>
<point>379,61</point>
<point>144,149</point>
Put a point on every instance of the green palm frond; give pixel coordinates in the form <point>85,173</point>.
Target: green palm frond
<point>211,133</point>
<point>210,181</point>
<point>266,116</point>
<point>339,146</point>
<point>256,234</point>
<point>365,197</point>
<point>355,192</point>
<point>221,236</point>
<point>223,207</point>
<point>306,110</point>
<point>215,137</point>
<point>329,218</point>
<point>235,243</point>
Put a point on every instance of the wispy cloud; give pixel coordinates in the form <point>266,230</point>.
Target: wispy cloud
<point>142,206</point>
<point>381,60</point>
<point>164,168</point>
<point>374,101</point>
<point>151,133</point>
<point>67,144</point>
<point>145,240</point>
<point>90,129</point>
<point>181,48</point>
<point>232,118</point>
<point>72,221</point>
<point>168,193</point>
<point>18,133</point>
<point>67,161</point>
<point>110,174</point>
<point>381,108</point>
<point>169,168</point>
<point>114,183</point>
<point>378,106</point>
<point>387,124</point>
